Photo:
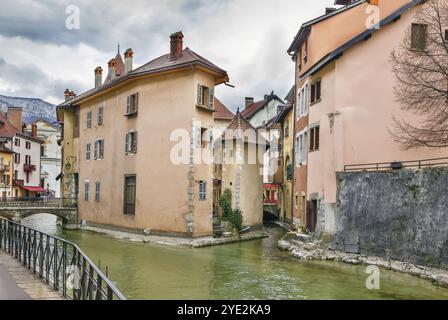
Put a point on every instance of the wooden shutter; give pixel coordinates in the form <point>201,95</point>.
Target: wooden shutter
<point>126,143</point>
<point>136,103</point>
<point>318,90</point>
<point>101,149</point>
<point>211,100</point>
<point>96,150</point>
<point>128,105</point>
<point>134,144</point>
<point>316,137</point>
<point>200,93</point>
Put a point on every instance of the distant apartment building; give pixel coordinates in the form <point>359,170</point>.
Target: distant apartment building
<point>118,141</point>
<point>50,134</point>
<point>345,101</point>
<point>25,145</point>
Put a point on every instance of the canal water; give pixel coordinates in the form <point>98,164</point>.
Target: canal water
<point>249,270</point>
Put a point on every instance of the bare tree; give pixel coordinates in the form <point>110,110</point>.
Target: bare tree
<point>420,65</point>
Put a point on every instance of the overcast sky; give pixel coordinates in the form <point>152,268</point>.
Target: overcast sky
<point>40,57</point>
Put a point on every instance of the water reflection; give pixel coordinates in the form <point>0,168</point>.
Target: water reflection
<point>250,270</point>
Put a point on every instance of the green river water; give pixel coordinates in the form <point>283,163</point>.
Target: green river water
<point>249,270</point>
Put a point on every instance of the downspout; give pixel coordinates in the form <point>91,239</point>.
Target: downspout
<point>294,142</point>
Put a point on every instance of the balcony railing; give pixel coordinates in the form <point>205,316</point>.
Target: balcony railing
<point>18,182</point>
<point>60,263</point>
<point>28,167</point>
<point>397,165</point>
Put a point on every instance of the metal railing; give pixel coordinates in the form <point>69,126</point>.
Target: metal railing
<point>60,263</point>
<point>39,202</point>
<point>397,165</point>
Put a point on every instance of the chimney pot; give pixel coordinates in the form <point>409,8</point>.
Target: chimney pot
<point>249,101</point>
<point>67,94</point>
<point>176,45</point>
<point>128,56</point>
<point>98,77</point>
<point>112,73</point>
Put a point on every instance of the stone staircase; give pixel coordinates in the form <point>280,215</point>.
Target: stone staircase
<point>217,229</point>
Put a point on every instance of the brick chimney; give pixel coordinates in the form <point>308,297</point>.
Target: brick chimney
<point>98,77</point>
<point>176,45</point>
<point>72,95</point>
<point>14,116</point>
<point>34,130</point>
<point>128,55</point>
<point>249,101</point>
<point>112,72</point>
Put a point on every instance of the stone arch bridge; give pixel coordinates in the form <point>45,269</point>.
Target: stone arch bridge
<point>18,209</point>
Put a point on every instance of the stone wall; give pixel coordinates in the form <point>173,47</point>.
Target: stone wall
<point>400,215</point>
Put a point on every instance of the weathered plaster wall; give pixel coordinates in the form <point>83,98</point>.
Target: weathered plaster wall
<point>399,215</point>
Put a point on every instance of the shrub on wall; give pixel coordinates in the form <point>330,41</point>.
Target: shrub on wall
<point>235,217</point>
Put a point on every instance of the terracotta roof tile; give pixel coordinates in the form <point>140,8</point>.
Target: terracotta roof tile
<point>221,111</point>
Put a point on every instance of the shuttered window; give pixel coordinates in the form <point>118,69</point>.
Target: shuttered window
<point>97,191</point>
<point>132,104</point>
<point>86,190</point>
<point>99,149</point>
<point>88,147</point>
<point>100,116</point>
<point>206,96</point>
<point>418,36</point>
<point>89,119</point>
<point>130,143</point>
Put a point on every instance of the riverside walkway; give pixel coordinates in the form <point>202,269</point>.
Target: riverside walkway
<point>17,283</point>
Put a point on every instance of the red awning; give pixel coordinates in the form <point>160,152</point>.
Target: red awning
<point>34,189</point>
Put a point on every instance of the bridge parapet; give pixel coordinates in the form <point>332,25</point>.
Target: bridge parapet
<point>18,209</point>
<point>38,202</point>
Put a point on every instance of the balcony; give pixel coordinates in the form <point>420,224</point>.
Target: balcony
<point>28,167</point>
<point>4,167</point>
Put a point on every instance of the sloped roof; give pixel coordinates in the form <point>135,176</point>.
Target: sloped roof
<point>7,130</point>
<point>221,111</point>
<point>359,38</point>
<point>239,122</point>
<point>163,63</point>
<point>252,109</point>
<point>5,150</point>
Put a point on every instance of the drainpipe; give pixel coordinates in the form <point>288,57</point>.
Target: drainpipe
<point>294,143</point>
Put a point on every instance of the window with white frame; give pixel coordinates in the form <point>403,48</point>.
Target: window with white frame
<point>302,101</point>
<point>301,148</point>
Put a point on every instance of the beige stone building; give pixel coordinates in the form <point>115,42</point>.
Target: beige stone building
<point>120,140</point>
<point>239,167</point>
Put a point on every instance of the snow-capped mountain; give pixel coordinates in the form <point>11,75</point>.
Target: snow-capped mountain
<point>33,108</point>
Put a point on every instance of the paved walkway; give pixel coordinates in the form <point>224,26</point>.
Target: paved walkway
<point>18,283</point>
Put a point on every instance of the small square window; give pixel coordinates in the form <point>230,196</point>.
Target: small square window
<point>418,36</point>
